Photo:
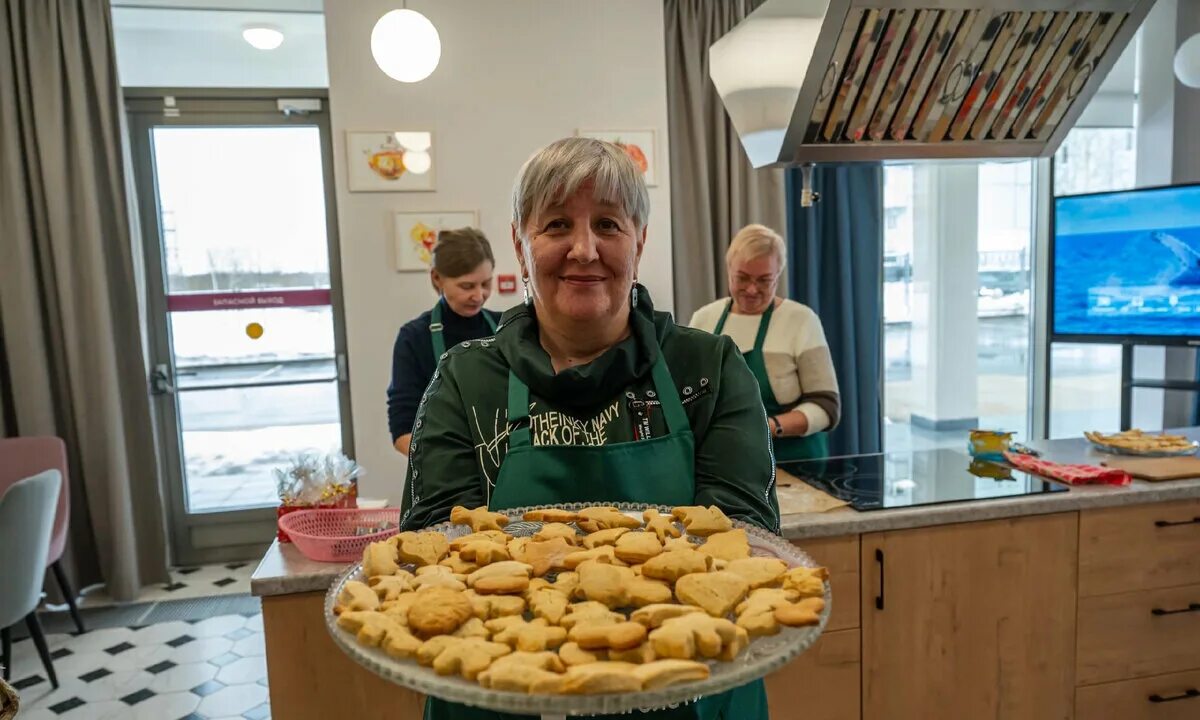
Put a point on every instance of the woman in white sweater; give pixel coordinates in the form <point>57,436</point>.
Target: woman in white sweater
<point>783,343</point>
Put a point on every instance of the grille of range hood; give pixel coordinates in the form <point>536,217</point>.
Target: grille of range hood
<point>839,81</point>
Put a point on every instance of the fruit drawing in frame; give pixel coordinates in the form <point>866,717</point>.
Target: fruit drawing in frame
<point>635,154</point>
<point>639,145</point>
<point>396,161</point>
<point>416,234</point>
<point>423,238</point>
<point>387,162</point>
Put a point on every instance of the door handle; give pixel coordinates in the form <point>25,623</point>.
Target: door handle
<point>1192,607</point>
<point>1168,523</point>
<point>879,561</point>
<point>1185,695</point>
<point>160,380</point>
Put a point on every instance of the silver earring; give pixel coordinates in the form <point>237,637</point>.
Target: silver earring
<point>528,297</point>
<point>635,292</point>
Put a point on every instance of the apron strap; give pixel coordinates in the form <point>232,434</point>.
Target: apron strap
<point>724,315</point>
<point>518,412</point>
<point>668,395</point>
<point>763,325</point>
<point>491,323</point>
<point>435,332</point>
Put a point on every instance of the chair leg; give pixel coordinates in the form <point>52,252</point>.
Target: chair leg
<point>6,652</point>
<point>39,641</point>
<point>69,594</point>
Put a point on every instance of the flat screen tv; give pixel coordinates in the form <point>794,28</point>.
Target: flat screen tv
<point>1125,267</point>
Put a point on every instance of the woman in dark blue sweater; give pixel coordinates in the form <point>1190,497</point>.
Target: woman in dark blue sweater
<point>462,276</point>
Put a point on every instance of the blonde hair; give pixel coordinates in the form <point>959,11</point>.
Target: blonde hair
<point>755,241</point>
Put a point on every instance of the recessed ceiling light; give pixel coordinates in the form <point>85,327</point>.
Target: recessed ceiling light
<point>263,37</point>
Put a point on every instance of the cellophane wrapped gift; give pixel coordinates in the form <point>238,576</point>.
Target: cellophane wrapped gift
<point>316,481</point>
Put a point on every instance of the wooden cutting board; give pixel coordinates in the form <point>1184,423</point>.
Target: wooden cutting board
<point>796,496</point>
<point>1168,468</point>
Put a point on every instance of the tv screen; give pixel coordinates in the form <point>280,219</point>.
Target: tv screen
<point>1126,266</point>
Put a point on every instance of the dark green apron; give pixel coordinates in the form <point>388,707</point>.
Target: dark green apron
<point>435,329</point>
<point>619,472</point>
<point>787,449</point>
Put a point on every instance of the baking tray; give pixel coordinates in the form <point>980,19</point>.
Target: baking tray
<point>762,657</point>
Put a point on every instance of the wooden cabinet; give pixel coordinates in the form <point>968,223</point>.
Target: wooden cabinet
<point>840,556</point>
<point>821,684</point>
<point>1163,697</point>
<point>1140,633</point>
<point>1145,547</point>
<point>970,621</point>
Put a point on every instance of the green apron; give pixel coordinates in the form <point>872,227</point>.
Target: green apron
<point>435,329</point>
<point>787,449</point>
<point>610,473</point>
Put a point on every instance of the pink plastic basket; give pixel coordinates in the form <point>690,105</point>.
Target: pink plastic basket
<point>329,535</point>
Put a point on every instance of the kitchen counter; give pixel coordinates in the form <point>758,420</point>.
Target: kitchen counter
<point>285,571</point>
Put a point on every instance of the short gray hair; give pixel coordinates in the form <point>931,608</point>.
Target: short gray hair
<point>755,241</point>
<point>556,171</point>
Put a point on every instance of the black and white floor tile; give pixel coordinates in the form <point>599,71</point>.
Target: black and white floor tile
<point>187,582</point>
<point>210,669</point>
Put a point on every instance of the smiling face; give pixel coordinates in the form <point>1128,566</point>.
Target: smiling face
<point>466,294</point>
<point>752,283</point>
<point>581,256</point>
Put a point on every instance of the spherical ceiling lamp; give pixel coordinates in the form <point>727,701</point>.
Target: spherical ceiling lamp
<point>406,46</point>
<point>1187,62</point>
<point>419,141</point>
<point>263,37</point>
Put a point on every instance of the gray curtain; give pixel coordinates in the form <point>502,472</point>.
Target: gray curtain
<point>68,301</point>
<point>714,190</point>
<point>836,268</point>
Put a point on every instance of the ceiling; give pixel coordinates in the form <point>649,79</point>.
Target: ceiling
<point>313,6</point>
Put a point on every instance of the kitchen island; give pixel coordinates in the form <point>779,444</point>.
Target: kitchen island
<point>1073,604</point>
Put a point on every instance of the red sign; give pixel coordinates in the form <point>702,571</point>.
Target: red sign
<point>192,302</point>
<point>506,284</point>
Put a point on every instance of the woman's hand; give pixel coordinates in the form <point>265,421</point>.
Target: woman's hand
<point>402,442</point>
<point>794,424</point>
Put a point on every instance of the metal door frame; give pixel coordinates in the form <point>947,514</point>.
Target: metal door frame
<point>219,536</point>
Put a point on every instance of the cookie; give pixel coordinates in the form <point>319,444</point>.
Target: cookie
<point>661,673</point>
<point>497,536</point>
<point>548,603</point>
<point>399,607</point>
<point>639,655</point>
<point>566,582</point>
<point>756,614</point>
<point>379,560</point>
<point>636,547</point>
<point>601,553</point>
<point>590,613</point>
<point>655,615</point>
<point>484,552</point>
<point>604,517</point>
<point>807,582</point>
<point>679,543</point>
<point>356,596</point>
<point>598,677</point>
<point>572,654</point>
<point>462,656</point>
<point>390,587</point>
<point>518,671</point>
<point>617,636</point>
<point>758,571</point>
<point>663,526</point>
<point>370,627</point>
<point>549,531</point>
<point>716,592</point>
<point>457,564</point>
<point>675,564</point>
<point>473,627</point>
<point>702,521</point>
<point>503,569</point>
<point>439,611</point>
<point>423,548</point>
<point>698,635</point>
<point>542,555</point>
<point>801,613</point>
<point>602,583</point>
<point>603,537</point>
<point>501,585</point>
<point>550,515</point>
<point>479,519</point>
<point>643,591</point>
<point>729,545</point>
<point>487,607</point>
<point>526,635</point>
<point>431,576</point>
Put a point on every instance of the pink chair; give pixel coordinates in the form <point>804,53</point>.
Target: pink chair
<point>25,456</point>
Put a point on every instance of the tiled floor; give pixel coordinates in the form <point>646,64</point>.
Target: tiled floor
<point>203,669</point>
<point>186,582</point>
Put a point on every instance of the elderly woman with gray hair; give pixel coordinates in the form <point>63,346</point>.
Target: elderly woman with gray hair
<point>586,394</point>
<point>783,343</point>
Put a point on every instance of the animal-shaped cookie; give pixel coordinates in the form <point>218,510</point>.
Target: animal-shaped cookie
<point>600,553</point>
<point>603,537</point>
<point>698,635</point>
<point>661,673</point>
<point>547,602</point>
<point>597,677</point>
<point>430,576</point>
<point>729,545</point>
<point>496,536</point>
<point>674,564</point>
<point>716,592</point>
<point>487,607</point>
<point>542,555</point>
<point>518,671</point>
<point>379,560</point>
<point>590,612</point>
<point>702,521</point>
<point>549,531</point>
<point>617,636</point>
<point>758,571</point>
<point>457,564</point>
<point>637,547</point>
<point>473,627</point>
<point>639,655</point>
<point>603,583</point>
<point>572,654</point>
<point>756,614</point>
<point>479,519</point>
<point>421,548</point>
<point>655,615</point>
<point>806,581</point>
<point>390,587</point>
<point>356,596</point>
<point>484,552</point>
<point>464,656</point>
<point>604,517</point>
<point>526,635</point>
<point>663,526</point>
<point>376,629</point>
<point>507,577</point>
<point>644,591</point>
<point>550,515</point>
<point>439,611</point>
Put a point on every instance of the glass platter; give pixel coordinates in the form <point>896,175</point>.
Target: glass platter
<point>1114,450</point>
<point>763,656</point>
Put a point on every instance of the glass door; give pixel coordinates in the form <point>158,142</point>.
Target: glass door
<point>246,329</point>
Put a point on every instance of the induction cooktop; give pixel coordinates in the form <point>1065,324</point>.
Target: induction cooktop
<point>927,477</point>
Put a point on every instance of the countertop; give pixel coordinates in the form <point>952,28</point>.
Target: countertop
<point>284,570</point>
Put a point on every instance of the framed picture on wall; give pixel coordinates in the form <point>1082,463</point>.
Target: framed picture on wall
<point>390,161</point>
<point>638,144</point>
<point>415,234</point>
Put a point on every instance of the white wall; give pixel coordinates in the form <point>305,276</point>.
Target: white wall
<point>514,76</point>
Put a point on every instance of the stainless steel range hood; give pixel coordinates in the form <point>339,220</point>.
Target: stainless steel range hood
<point>814,81</point>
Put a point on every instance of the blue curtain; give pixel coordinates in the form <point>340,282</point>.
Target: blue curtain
<point>835,266</point>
